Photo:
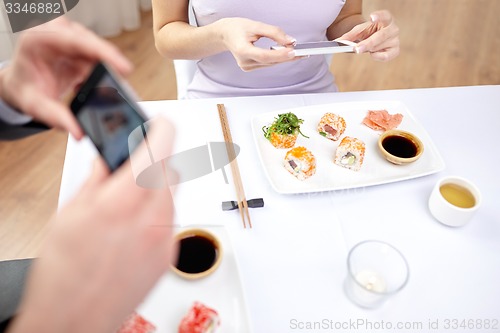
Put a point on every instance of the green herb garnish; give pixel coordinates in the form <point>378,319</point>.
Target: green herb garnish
<point>284,124</point>
<point>323,133</point>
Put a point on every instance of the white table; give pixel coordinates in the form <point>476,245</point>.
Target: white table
<point>292,262</point>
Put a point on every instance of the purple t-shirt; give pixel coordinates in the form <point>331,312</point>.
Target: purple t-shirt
<point>307,21</point>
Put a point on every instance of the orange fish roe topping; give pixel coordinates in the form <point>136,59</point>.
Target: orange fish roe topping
<point>283,141</point>
<point>299,152</point>
<point>352,143</point>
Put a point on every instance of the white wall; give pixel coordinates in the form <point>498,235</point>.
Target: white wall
<point>6,40</point>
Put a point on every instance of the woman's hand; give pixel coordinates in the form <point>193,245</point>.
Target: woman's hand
<point>380,37</point>
<point>239,36</point>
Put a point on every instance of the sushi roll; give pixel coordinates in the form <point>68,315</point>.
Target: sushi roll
<point>350,153</point>
<point>331,126</point>
<point>283,140</point>
<point>283,132</point>
<point>200,319</point>
<point>135,323</point>
<point>300,162</point>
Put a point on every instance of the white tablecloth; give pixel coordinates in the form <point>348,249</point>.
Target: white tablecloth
<point>293,262</point>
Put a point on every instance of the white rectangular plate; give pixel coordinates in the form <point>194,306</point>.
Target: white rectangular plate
<point>173,296</point>
<point>329,176</point>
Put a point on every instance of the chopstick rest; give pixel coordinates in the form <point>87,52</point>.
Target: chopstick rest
<point>252,203</point>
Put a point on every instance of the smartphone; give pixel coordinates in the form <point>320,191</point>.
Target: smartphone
<point>108,113</point>
<point>314,48</point>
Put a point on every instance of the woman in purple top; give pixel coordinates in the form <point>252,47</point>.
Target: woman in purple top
<point>231,40</point>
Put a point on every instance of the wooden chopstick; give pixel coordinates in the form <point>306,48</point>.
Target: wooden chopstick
<point>235,170</point>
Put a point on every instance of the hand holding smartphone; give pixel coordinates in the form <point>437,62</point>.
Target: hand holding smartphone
<point>108,113</point>
<point>315,48</point>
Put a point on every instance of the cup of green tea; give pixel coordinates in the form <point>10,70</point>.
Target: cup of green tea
<point>454,201</point>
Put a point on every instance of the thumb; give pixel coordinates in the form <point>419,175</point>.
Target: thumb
<point>99,173</point>
<point>53,113</point>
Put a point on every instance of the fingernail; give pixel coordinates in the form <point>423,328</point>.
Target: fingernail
<point>291,40</point>
<point>373,17</point>
<point>360,49</point>
<point>291,54</point>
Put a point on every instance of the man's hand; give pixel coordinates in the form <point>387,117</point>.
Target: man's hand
<point>50,61</point>
<point>105,251</point>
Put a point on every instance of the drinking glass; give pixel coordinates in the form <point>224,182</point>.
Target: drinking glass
<point>376,271</point>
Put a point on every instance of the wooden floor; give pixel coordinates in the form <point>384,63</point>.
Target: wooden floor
<point>443,43</point>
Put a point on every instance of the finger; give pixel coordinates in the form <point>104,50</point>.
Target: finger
<point>385,55</point>
<point>99,49</point>
<point>383,17</point>
<point>148,161</point>
<point>268,57</point>
<point>359,32</point>
<point>122,193</point>
<point>371,43</point>
<point>159,210</point>
<point>158,143</point>
<point>37,105</point>
<point>274,33</point>
<point>87,45</point>
<point>99,174</point>
<point>388,44</point>
<point>60,34</point>
<point>157,216</point>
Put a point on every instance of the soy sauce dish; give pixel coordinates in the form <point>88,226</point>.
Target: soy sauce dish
<point>400,147</point>
<point>200,253</point>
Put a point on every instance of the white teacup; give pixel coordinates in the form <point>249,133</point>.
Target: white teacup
<point>454,201</point>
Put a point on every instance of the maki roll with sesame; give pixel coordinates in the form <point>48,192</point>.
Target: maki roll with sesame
<point>300,162</point>
<point>331,126</point>
<point>283,132</point>
<point>350,153</point>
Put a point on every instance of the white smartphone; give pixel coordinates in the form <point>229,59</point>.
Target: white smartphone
<point>314,48</point>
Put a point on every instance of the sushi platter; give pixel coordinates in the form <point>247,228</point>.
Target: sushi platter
<point>375,169</point>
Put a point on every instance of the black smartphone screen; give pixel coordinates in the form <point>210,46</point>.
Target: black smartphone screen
<point>108,116</point>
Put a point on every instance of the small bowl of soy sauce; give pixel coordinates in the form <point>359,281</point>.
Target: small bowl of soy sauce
<point>400,147</point>
<point>200,253</point>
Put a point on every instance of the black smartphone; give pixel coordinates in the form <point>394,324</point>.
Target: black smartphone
<point>108,113</point>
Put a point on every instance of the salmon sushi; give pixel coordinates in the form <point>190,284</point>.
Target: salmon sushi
<point>350,153</point>
<point>331,126</point>
<point>300,162</point>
